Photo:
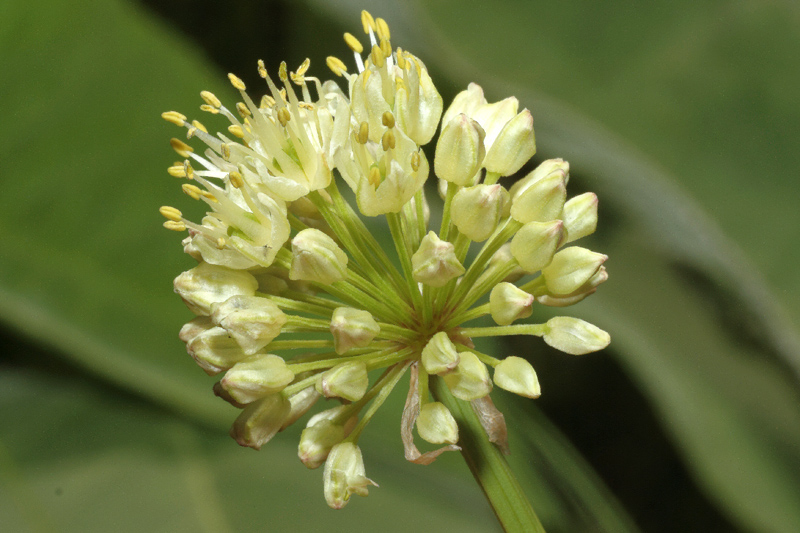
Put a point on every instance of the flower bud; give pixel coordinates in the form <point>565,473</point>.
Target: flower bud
<point>439,356</point>
<point>252,321</point>
<point>535,243</point>
<point>575,336</point>
<point>540,195</point>
<point>317,440</point>
<point>466,102</point>
<point>508,303</point>
<point>580,216</point>
<point>477,210</point>
<point>436,425</point>
<point>316,257</point>
<point>300,404</point>
<point>571,268</point>
<point>501,258</point>
<point>516,375</point>
<point>260,421</point>
<point>256,377</point>
<point>344,475</point>
<point>515,144</point>
<point>210,346</point>
<point>352,328</point>
<point>346,380</point>
<point>207,284</point>
<point>576,296</point>
<point>470,379</point>
<point>435,262</point>
<point>459,151</point>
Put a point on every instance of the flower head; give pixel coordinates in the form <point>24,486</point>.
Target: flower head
<point>297,300</point>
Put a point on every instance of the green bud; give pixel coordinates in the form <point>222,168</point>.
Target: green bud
<point>256,377</point>
<point>512,148</point>
<point>436,425</point>
<point>252,321</point>
<point>501,258</point>
<point>439,356</point>
<point>344,475</point>
<point>317,440</point>
<point>477,210</point>
<point>535,243</point>
<point>580,216</point>
<point>467,102</point>
<point>300,403</point>
<point>435,262</point>
<point>540,195</point>
<point>346,380</point>
<point>352,328</point>
<point>516,375</point>
<point>508,303</point>
<point>206,284</point>
<point>316,257</point>
<point>260,421</point>
<point>210,346</point>
<point>575,336</point>
<point>459,150</point>
<point>576,296</point>
<point>570,269</point>
<point>470,379</point>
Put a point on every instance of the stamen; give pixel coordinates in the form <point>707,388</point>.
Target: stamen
<point>236,131</point>
<point>284,116</point>
<point>209,109</point>
<point>401,61</point>
<point>199,125</point>
<point>386,48</point>
<point>353,43</point>
<point>367,21</point>
<point>242,109</point>
<point>225,151</point>
<point>382,29</point>
<point>336,65</point>
<point>388,141</point>
<point>415,161</point>
<point>363,133</point>
<point>282,72</point>
<point>376,56</point>
<point>388,119</point>
<point>175,226</point>
<point>188,170</point>
<point>209,98</point>
<point>303,68</point>
<point>173,116</point>
<point>262,70</point>
<point>236,82</point>
<point>176,171</point>
<point>374,177</point>
<point>192,190</point>
<point>181,147</point>
<point>170,213</point>
<point>236,179</point>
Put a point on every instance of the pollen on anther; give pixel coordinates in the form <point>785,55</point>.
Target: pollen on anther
<point>236,179</point>
<point>336,65</point>
<point>243,110</point>
<point>170,213</point>
<point>284,116</point>
<point>386,48</point>
<point>388,140</point>
<point>176,171</point>
<point>387,119</point>
<point>188,170</point>
<point>225,151</point>
<point>199,125</point>
<point>192,190</point>
<point>262,70</point>
<point>377,56</point>
<point>374,177</point>
<point>174,117</point>
<point>382,29</point>
<point>211,99</point>
<point>236,82</point>
<point>282,72</point>
<point>363,133</point>
<point>175,226</point>
<point>236,130</point>
<point>367,21</point>
<point>303,68</point>
<point>353,43</point>
<point>415,161</point>
<point>181,147</point>
<point>209,109</point>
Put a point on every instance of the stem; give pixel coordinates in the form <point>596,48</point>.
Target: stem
<point>489,467</point>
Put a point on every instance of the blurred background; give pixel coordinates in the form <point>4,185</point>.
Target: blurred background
<point>683,117</point>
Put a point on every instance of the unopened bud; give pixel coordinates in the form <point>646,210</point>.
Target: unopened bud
<point>540,195</point>
<point>436,424</point>
<point>346,380</point>
<point>206,284</point>
<point>501,258</point>
<point>588,288</point>
<point>535,244</point>
<point>513,147</point>
<point>470,379</point>
<point>459,151</point>
<point>435,262</point>
<point>317,257</point>
<point>256,377</point>
<point>317,440</point>
<point>439,356</point>
<point>575,336</point>
<point>344,475</point>
<point>260,421</point>
<point>210,346</point>
<point>300,402</point>
<point>516,375</point>
<point>477,210</point>
<point>508,303</point>
<point>580,216</point>
<point>251,320</point>
<point>352,328</point>
<point>570,269</point>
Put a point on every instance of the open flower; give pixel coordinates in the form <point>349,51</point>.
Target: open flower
<point>297,300</point>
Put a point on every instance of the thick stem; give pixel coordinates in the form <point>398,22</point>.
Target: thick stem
<point>489,467</point>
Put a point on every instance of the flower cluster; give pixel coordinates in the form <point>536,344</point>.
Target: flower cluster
<point>296,299</point>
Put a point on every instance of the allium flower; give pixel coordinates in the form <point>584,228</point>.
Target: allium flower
<point>295,297</point>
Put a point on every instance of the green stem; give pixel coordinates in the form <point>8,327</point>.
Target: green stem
<point>489,467</point>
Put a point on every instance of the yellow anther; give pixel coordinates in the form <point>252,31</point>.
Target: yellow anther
<point>388,119</point>
<point>382,29</point>
<point>176,171</point>
<point>175,226</point>
<point>377,56</point>
<point>181,147</point>
<point>199,125</point>
<point>282,71</point>
<point>415,161</point>
<point>173,116</point>
<point>401,61</point>
<point>267,102</point>
<point>170,213</point>
<point>305,105</point>
<point>386,48</point>
<point>236,82</point>
<point>336,65</point>
<point>236,179</point>
<point>367,21</point>
<point>242,109</point>
<point>192,190</point>
<point>284,116</point>
<point>283,94</point>
<point>353,43</point>
<point>209,98</point>
<point>297,78</point>
<point>374,177</point>
<point>303,68</point>
<point>190,132</point>
<point>188,170</point>
<point>225,150</point>
<point>262,70</point>
<point>363,133</point>
<point>209,109</point>
<point>236,130</point>
<point>387,141</point>
<point>221,242</point>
